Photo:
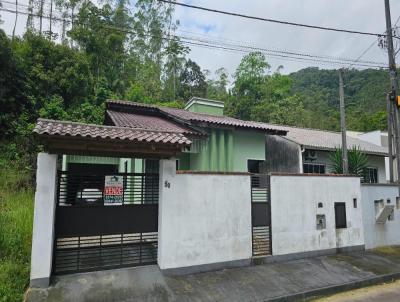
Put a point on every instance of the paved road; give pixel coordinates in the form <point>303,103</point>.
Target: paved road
<point>380,293</point>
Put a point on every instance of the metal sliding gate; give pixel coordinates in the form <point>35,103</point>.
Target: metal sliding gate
<point>261,215</point>
<point>105,221</point>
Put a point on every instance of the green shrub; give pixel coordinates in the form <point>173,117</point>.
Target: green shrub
<point>16,215</point>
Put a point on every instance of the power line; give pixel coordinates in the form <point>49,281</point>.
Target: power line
<point>234,43</point>
<point>286,57</point>
<point>370,46</point>
<point>257,48</point>
<point>226,46</point>
<point>271,20</point>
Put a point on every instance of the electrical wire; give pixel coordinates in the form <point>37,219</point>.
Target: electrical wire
<point>226,46</point>
<point>271,20</point>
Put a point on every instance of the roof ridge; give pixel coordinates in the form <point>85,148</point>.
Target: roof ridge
<point>131,103</point>
<point>107,126</point>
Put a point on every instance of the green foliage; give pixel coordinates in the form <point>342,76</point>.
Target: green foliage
<point>193,81</point>
<point>16,218</point>
<point>357,161</point>
<point>365,97</point>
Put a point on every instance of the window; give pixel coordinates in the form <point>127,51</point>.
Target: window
<point>340,215</point>
<point>253,165</point>
<point>355,203</point>
<point>370,175</point>
<point>397,203</point>
<point>314,168</point>
<point>177,164</point>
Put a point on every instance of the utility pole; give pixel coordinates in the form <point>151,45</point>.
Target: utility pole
<point>389,109</point>
<point>393,83</point>
<point>345,162</point>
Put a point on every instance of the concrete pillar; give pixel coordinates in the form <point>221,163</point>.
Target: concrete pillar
<point>43,220</point>
<point>166,175</point>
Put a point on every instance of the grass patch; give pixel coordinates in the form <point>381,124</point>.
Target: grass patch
<point>388,250</point>
<point>16,219</point>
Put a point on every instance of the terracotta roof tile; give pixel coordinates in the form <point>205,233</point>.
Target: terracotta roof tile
<point>132,120</point>
<point>64,128</point>
<point>194,117</point>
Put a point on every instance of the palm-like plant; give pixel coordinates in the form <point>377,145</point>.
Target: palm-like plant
<point>358,161</point>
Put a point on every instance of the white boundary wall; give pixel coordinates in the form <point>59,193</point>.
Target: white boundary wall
<point>203,218</point>
<point>377,235</point>
<point>43,220</point>
<point>294,207</point>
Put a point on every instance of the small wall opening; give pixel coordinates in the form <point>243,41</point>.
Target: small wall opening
<point>321,222</point>
<point>340,215</point>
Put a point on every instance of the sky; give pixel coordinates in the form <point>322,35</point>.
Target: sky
<point>361,15</point>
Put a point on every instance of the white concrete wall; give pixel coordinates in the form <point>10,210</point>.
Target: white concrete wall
<point>203,218</point>
<point>294,206</point>
<point>43,220</point>
<point>380,234</point>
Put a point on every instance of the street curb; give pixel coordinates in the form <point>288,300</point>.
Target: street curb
<point>334,289</point>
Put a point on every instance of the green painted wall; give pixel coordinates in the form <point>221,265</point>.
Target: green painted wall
<point>247,145</point>
<point>228,151</point>
<point>200,108</point>
<point>223,150</point>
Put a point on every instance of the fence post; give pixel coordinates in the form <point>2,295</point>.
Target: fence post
<point>43,221</point>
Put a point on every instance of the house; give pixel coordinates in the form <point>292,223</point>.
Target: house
<point>225,144</point>
<point>218,143</point>
<point>170,187</point>
<point>309,151</point>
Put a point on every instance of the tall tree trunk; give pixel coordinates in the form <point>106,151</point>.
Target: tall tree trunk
<point>41,16</point>
<point>16,18</point>
<point>51,20</point>
<point>63,37</point>
<point>29,21</point>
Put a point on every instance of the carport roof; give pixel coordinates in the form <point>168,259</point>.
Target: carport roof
<point>66,128</point>
<point>79,138</point>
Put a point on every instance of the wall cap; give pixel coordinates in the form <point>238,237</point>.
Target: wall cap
<point>313,174</point>
<point>211,173</point>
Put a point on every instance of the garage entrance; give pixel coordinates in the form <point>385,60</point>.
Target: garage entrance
<point>105,219</point>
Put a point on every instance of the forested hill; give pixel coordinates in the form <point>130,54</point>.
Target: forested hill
<point>365,97</point>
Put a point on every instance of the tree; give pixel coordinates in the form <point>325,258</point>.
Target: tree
<point>217,89</point>
<point>104,47</point>
<point>12,86</point>
<point>175,61</point>
<point>249,78</point>
<point>193,81</point>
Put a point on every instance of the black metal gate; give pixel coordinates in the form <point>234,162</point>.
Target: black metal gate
<point>261,215</point>
<point>100,227</point>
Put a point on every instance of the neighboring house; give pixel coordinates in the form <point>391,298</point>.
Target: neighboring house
<point>309,151</point>
<point>379,138</point>
<point>218,143</point>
